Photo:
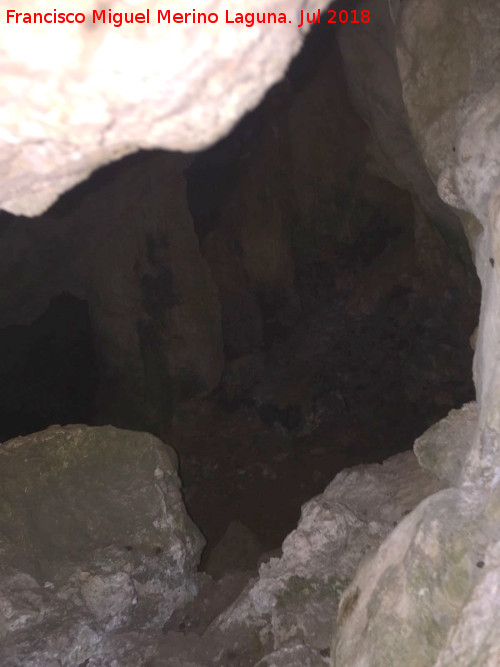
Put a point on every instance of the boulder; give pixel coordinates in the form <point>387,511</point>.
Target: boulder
<point>94,541</point>
<point>428,596</point>
<point>444,447</point>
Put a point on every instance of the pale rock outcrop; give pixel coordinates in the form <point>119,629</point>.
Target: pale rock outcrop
<point>444,447</point>
<point>405,598</point>
<point>96,546</point>
<point>429,595</point>
<point>76,97</point>
<point>294,655</point>
<point>296,595</point>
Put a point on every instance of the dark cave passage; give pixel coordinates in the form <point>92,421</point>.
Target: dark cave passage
<point>48,369</point>
<point>270,307</point>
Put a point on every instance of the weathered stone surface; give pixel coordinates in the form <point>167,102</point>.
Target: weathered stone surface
<point>413,593</point>
<point>474,638</point>
<point>294,600</point>
<point>77,97</point>
<point>294,655</point>
<point>444,447</point>
<point>444,556</point>
<point>429,596</point>
<point>284,617</point>
<point>401,604</point>
<point>94,539</point>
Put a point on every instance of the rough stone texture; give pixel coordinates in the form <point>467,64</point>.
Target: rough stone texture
<point>77,97</point>
<point>212,599</point>
<point>429,596</point>
<point>285,616</point>
<point>433,449</point>
<point>457,131</point>
<point>94,539</point>
<point>403,602</point>
<point>294,655</point>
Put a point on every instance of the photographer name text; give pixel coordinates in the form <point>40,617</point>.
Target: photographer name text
<point>167,16</point>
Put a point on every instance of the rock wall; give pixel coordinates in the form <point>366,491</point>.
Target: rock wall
<point>303,214</point>
<point>370,63</point>
<point>430,595</point>
<point>135,259</point>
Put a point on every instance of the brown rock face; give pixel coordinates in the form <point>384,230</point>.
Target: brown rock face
<point>135,259</point>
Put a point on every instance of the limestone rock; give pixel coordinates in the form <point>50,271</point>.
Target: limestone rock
<point>79,96</point>
<point>294,600</point>
<point>94,539</point>
<point>402,601</point>
<point>429,595</point>
<point>474,638</point>
<point>294,655</point>
<point>444,447</point>
<point>284,617</point>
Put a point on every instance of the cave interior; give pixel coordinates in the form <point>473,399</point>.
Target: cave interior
<point>273,307</point>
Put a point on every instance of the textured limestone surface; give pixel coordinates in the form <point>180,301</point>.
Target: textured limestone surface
<point>433,449</point>
<point>294,655</point>
<point>94,540</point>
<point>430,594</point>
<point>75,97</point>
<point>403,603</point>
<point>286,615</point>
